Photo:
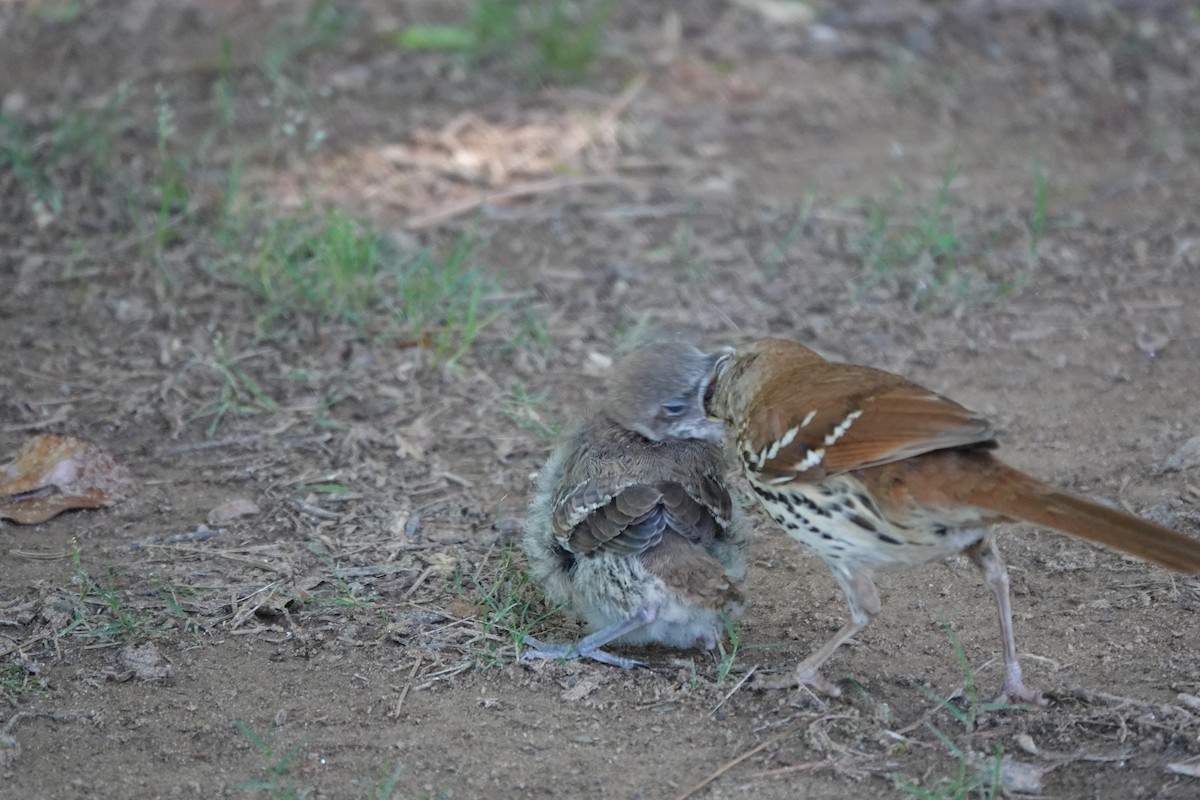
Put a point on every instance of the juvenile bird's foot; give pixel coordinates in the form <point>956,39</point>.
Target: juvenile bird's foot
<point>535,649</point>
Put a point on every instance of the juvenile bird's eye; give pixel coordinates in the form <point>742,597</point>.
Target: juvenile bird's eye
<point>674,408</point>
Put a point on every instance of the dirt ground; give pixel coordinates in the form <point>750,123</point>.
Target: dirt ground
<point>999,200</point>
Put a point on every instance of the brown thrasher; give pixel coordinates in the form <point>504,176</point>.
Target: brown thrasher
<point>632,526</point>
<point>874,472</point>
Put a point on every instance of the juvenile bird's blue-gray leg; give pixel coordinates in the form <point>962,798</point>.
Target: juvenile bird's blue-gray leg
<point>589,646</point>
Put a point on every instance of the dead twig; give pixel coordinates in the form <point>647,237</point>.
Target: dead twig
<point>395,712</point>
<point>449,672</point>
<point>196,447</point>
<point>21,646</point>
<point>311,510</point>
<point>449,212</point>
<point>882,17</point>
<point>417,583</point>
<point>728,765</point>
<point>199,535</point>
<point>783,772</point>
<point>735,689</point>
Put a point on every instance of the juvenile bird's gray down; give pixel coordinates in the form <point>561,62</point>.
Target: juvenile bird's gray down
<point>632,527</point>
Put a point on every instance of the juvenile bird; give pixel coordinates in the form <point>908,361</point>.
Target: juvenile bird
<point>632,527</point>
<point>874,472</point>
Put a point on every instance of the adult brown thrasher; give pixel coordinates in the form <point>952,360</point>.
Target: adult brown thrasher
<point>873,472</point>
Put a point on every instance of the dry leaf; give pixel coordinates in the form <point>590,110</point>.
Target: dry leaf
<point>461,609</point>
<point>580,690</point>
<point>1020,778</point>
<point>779,12</point>
<point>53,474</point>
<point>145,661</point>
<point>1185,457</point>
<point>10,750</point>
<point>229,511</point>
<point>1191,767</point>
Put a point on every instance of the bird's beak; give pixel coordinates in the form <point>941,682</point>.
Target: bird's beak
<point>718,362</point>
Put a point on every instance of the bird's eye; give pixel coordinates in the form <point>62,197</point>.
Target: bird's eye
<point>674,408</point>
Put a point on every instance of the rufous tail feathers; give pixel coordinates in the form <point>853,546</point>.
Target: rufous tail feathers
<point>1028,499</point>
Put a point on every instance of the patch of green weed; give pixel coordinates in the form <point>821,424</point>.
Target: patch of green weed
<point>438,297</point>
<point>938,253</point>
<point>521,407</point>
<point>81,139</point>
<point>324,22</point>
<point>17,680</point>
<point>100,613</point>
<point>276,779</point>
<point>170,180</point>
<point>971,778</point>
<point>385,788</point>
<point>326,268</point>
<point>728,654</point>
<point>240,394</point>
<point>551,39</point>
<point>335,269</point>
<point>513,605</point>
<point>58,12</point>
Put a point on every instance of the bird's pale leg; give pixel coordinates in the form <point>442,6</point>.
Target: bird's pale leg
<point>863,600</point>
<point>987,558</point>
<point>589,646</point>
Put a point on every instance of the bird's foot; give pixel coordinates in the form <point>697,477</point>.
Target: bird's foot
<point>534,649</point>
<point>1016,692</point>
<point>804,677</point>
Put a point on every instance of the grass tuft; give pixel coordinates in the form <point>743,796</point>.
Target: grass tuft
<point>239,395</point>
<point>19,679</point>
<point>512,605</point>
<point>933,254</point>
<point>276,779</point>
<point>521,408</point>
<point>550,39</point>
<point>326,268</point>
<point>970,779</point>
<point>100,612</point>
<point>728,655</point>
<point>82,140</point>
<point>333,269</point>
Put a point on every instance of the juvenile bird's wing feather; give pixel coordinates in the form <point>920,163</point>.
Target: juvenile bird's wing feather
<point>610,515</point>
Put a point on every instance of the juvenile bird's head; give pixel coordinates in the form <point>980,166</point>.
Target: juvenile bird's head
<point>658,391</point>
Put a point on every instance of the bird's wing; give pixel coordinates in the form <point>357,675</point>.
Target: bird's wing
<point>625,518</point>
<point>609,515</point>
<point>843,417</point>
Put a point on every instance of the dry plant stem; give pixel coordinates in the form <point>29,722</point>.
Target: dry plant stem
<point>404,692</point>
<point>735,689</point>
<point>994,9</point>
<point>610,114</point>
<point>462,207</point>
<point>728,765</point>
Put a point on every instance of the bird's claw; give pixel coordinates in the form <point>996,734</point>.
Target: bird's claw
<point>535,649</point>
<point>1017,694</point>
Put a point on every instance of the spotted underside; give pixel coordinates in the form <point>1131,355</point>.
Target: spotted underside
<point>839,520</point>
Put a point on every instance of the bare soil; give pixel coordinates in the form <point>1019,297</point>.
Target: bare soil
<point>711,175</point>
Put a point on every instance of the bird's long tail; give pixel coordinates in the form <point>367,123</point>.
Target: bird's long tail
<point>1023,497</point>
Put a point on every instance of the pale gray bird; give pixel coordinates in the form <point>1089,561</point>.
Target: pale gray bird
<point>632,527</point>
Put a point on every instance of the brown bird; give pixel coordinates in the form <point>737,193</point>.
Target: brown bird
<point>874,472</point>
<point>632,527</point>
